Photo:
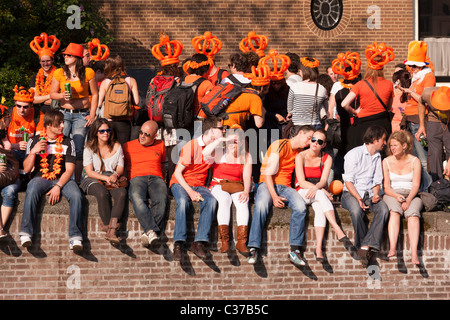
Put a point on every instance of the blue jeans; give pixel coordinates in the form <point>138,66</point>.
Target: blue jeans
<point>365,236</point>
<point>74,127</point>
<point>421,153</point>
<point>184,203</point>
<point>154,187</point>
<point>36,189</point>
<point>263,203</point>
<point>9,193</point>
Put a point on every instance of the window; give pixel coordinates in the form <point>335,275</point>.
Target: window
<point>326,14</point>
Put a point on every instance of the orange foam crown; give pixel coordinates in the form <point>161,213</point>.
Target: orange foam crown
<point>102,50</point>
<point>260,43</point>
<point>345,60</point>
<point>21,94</point>
<point>171,56</point>
<point>382,50</point>
<point>276,73</point>
<point>260,75</point>
<point>207,44</point>
<point>45,50</point>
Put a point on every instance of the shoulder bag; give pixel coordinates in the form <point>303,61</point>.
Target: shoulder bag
<point>390,113</point>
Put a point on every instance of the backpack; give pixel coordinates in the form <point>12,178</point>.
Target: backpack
<point>216,101</point>
<point>441,190</point>
<point>334,133</point>
<point>178,108</point>
<point>156,95</point>
<point>118,99</point>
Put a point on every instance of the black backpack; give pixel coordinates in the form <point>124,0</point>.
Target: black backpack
<point>178,109</point>
<point>334,133</point>
<point>441,190</point>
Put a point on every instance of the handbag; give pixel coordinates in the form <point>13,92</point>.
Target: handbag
<point>390,113</point>
<point>122,182</point>
<point>231,186</point>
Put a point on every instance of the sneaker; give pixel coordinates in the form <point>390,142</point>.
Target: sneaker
<point>76,245</point>
<point>148,238</point>
<point>25,241</point>
<point>295,257</point>
<point>252,256</point>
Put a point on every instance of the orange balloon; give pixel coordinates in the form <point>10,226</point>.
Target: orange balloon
<point>336,187</point>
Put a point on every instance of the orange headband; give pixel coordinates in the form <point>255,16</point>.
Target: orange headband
<point>345,60</point>
<point>95,43</point>
<point>45,50</point>
<point>261,42</point>
<point>276,74</point>
<point>309,64</point>
<point>375,50</point>
<point>21,94</point>
<point>196,65</point>
<point>211,44</point>
<point>172,56</point>
<point>260,75</point>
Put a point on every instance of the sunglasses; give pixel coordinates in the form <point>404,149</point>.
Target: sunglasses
<point>103,131</point>
<point>145,133</point>
<point>24,107</point>
<point>319,141</point>
<point>68,55</point>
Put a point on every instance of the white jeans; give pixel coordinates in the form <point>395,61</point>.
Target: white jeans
<point>320,204</point>
<point>223,211</point>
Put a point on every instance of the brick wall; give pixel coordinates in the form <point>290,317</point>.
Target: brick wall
<point>136,25</point>
<point>48,270</point>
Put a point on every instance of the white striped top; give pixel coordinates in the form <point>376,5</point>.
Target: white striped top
<point>300,102</point>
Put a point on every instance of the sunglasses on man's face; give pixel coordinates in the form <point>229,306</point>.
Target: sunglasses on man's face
<point>319,141</point>
<point>24,107</point>
<point>148,135</point>
<point>103,131</point>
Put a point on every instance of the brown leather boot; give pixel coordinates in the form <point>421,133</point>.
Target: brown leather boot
<point>224,236</point>
<point>112,230</point>
<point>242,235</point>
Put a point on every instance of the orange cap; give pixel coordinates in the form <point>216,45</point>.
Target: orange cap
<point>276,73</point>
<point>74,49</point>
<point>417,54</point>
<point>45,50</point>
<point>440,99</point>
<point>171,56</point>
<point>260,43</point>
<point>21,94</point>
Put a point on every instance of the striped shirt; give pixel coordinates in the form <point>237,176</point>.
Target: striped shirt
<point>301,102</point>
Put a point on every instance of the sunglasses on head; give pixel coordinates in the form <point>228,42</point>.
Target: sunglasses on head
<point>145,133</point>
<point>102,131</point>
<point>319,141</point>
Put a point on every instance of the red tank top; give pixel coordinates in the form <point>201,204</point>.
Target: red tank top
<point>312,172</point>
<point>227,171</point>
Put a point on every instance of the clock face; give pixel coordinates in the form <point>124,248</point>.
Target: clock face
<point>326,14</point>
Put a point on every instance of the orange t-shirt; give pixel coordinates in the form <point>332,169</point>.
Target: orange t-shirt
<point>412,106</point>
<point>201,91</point>
<point>144,160</point>
<point>368,101</point>
<point>196,169</point>
<point>79,90</point>
<point>15,135</point>
<point>215,77</point>
<point>286,163</point>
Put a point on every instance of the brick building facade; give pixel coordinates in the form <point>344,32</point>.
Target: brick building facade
<point>288,24</point>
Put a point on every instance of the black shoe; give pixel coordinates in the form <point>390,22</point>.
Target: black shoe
<point>199,249</point>
<point>177,252</point>
<point>364,257</point>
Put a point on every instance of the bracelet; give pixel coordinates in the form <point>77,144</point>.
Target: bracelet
<point>57,185</point>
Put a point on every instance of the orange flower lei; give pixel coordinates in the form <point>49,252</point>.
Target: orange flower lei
<point>56,163</point>
<point>43,87</point>
<point>309,64</point>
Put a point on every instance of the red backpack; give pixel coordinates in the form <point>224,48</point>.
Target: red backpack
<point>156,94</point>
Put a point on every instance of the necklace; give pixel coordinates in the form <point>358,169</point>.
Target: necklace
<point>46,173</point>
<point>43,87</point>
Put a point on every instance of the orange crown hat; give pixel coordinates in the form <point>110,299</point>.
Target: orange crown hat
<point>21,94</point>
<point>440,99</point>
<point>417,54</point>
<point>260,43</point>
<point>207,44</point>
<point>345,60</point>
<point>260,75</point>
<point>276,73</point>
<point>378,50</point>
<point>45,50</point>
<point>171,55</point>
<point>102,50</point>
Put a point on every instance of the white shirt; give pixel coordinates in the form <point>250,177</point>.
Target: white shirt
<point>293,79</point>
<point>363,170</point>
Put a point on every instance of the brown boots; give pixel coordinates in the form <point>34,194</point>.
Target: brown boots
<point>113,227</point>
<point>224,236</point>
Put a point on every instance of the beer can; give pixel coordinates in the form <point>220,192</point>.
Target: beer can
<point>42,138</point>
<point>25,136</point>
<point>68,88</point>
<point>2,158</point>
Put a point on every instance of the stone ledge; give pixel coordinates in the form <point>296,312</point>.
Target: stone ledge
<point>433,222</point>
